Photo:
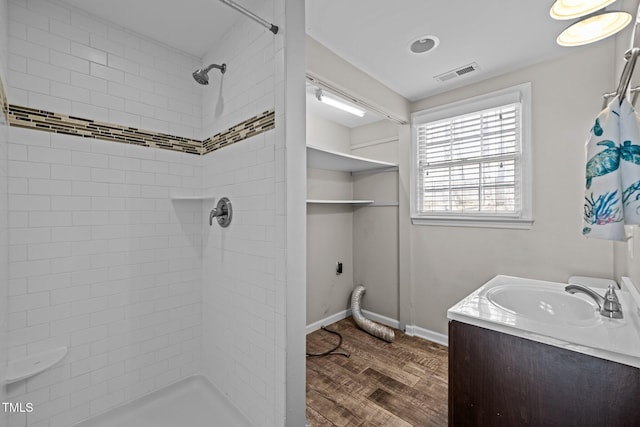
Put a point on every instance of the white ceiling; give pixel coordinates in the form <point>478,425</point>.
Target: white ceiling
<point>191,26</point>
<point>374,35</point>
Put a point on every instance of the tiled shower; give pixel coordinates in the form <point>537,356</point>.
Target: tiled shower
<point>109,250</point>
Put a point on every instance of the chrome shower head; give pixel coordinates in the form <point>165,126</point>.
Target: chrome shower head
<point>202,76</point>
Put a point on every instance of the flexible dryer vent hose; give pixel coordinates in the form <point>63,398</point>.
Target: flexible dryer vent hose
<point>379,331</point>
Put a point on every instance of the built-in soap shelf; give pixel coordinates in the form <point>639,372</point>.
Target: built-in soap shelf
<point>339,202</point>
<point>321,158</point>
<point>31,365</point>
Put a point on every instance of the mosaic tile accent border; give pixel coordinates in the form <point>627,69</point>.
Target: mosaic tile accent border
<point>250,127</point>
<point>31,118</point>
<point>47,121</point>
<point>4,104</point>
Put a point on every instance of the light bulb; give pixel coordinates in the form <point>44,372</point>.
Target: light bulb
<point>570,9</point>
<point>339,104</point>
<point>594,28</point>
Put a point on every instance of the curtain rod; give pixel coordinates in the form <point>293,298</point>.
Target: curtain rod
<point>268,25</point>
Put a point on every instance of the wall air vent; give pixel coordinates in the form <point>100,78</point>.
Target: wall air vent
<point>460,71</point>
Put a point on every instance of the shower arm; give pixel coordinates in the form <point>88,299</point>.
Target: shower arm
<point>222,68</point>
<point>267,25</point>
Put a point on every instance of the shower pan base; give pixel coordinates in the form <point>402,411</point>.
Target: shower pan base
<point>192,402</point>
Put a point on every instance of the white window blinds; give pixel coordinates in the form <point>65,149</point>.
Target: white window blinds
<point>471,164</point>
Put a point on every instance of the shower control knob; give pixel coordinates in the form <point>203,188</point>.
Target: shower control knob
<point>222,213</point>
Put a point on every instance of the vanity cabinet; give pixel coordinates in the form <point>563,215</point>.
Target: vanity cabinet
<point>497,379</point>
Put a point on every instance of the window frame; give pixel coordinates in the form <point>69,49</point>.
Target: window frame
<point>520,93</point>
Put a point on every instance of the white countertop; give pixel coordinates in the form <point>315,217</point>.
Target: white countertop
<point>617,340</point>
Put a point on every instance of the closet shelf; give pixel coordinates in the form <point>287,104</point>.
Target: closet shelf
<point>321,158</point>
<point>29,366</point>
<point>339,202</point>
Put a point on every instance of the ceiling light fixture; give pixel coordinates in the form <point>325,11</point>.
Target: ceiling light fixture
<point>593,28</point>
<point>571,9</point>
<point>339,104</point>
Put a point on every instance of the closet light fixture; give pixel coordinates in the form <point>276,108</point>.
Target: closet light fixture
<point>339,104</point>
<point>593,28</point>
<point>570,9</point>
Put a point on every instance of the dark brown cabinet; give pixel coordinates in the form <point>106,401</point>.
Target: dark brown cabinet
<point>497,379</point>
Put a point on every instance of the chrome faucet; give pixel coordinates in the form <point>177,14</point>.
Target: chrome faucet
<point>608,306</point>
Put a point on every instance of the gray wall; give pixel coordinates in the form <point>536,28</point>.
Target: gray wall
<point>331,68</point>
<point>375,228</point>
<point>328,294</point>
<point>329,227</point>
<point>447,263</point>
<point>364,239</point>
<point>437,266</point>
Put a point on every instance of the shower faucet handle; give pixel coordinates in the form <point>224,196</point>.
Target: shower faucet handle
<point>222,212</point>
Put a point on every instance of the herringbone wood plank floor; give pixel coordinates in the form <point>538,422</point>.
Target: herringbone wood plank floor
<point>403,383</point>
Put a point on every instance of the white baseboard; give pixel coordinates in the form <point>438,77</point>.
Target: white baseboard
<point>393,323</point>
<point>436,337</point>
<point>411,330</point>
<point>346,313</point>
<point>328,320</point>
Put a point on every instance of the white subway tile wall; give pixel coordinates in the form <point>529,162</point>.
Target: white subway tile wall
<point>66,61</point>
<point>139,287</point>
<point>239,292</point>
<point>103,261</point>
<point>4,231</point>
<point>247,88</point>
<point>243,279</point>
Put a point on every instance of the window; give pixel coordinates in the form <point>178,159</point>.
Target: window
<point>471,162</point>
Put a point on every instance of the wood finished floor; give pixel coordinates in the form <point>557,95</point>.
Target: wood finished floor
<point>403,383</point>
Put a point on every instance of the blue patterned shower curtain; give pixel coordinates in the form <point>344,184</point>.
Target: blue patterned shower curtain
<point>612,185</point>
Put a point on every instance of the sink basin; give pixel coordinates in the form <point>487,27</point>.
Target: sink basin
<point>543,304</point>
<point>542,311</point>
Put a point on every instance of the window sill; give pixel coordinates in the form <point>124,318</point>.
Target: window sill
<point>508,223</point>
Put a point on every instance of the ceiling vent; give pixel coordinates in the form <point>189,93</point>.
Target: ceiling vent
<point>460,71</point>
